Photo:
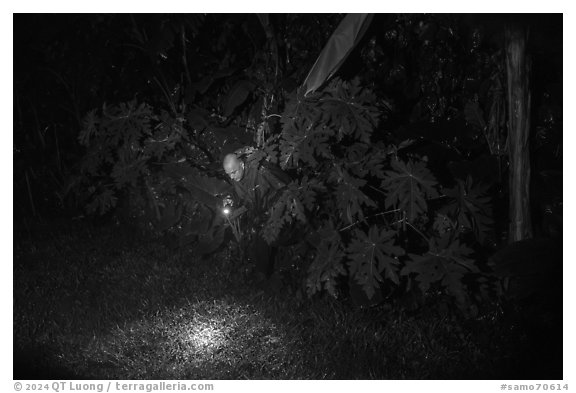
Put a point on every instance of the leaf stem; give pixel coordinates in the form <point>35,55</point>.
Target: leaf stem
<point>416,230</point>
<point>374,215</point>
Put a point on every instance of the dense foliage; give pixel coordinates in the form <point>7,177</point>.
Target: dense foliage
<point>397,165</point>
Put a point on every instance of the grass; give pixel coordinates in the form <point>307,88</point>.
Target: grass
<point>96,302</point>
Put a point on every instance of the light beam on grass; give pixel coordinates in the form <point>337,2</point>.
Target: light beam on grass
<point>204,337</point>
<point>197,339</point>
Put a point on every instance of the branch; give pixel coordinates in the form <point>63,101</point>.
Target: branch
<point>374,215</point>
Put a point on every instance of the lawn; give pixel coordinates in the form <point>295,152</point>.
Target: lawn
<point>98,302</point>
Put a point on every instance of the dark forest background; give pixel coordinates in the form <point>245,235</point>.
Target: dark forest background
<point>425,170</point>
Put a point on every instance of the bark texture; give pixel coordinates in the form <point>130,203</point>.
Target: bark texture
<point>519,106</point>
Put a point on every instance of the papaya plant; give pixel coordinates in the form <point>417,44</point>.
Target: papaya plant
<point>380,213</point>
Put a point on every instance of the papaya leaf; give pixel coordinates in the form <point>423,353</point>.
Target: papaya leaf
<point>295,200</point>
<point>348,108</point>
<point>127,122</point>
<point>327,266</point>
<point>408,185</point>
<point>446,263</point>
<point>327,232</point>
<point>255,156</point>
<point>310,125</point>
<point>351,198</point>
<point>373,161</point>
<point>278,215</point>
<point>271,148</point>
<point>302,143</point>
<point>372,256</point>
<point>470,206</point>
<point>284,209</point>
<point>308,192</point>
<point>290,150</point>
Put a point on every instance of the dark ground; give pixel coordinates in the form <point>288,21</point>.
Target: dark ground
<point>93,301</point>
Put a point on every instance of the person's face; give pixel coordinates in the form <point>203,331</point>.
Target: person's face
<point>234,167</point>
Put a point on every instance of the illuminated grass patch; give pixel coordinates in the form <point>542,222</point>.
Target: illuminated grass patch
<point>218,339</point>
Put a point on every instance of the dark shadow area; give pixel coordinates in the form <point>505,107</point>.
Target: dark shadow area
<point>40,363</point>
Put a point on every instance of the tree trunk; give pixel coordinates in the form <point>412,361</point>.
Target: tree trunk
<point>518,73</point>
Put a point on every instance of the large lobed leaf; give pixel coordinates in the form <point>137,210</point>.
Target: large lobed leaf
<point>292,203</point>
<point>349,109</point>
<point>349,196</point>
<point>372,257</point>
<point>408,185</point>
<point>328,263</point>
<point>311,125</point>
<point>446,263</point>
<point>470,207</point>
<point>303,147</point>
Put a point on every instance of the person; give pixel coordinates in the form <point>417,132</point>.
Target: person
<point>256,181</point>
<point>257,184</point>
